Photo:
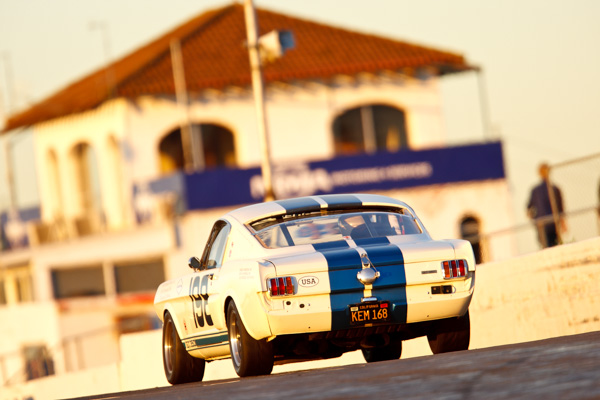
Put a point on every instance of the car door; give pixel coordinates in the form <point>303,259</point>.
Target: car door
<point>204,337</point>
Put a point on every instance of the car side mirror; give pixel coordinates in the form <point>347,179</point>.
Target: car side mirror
<point>194,263</point>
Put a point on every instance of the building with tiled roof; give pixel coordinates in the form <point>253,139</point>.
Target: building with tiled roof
<point>119,212</point>
<point>216,59</point>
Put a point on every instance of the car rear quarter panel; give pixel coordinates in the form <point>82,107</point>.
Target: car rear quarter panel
<point>422,275</point>
<point>244,283</point>
<point>171,296</point>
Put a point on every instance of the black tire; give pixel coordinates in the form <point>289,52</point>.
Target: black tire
<point>392,351</point>
<point>250,357</point>
<point>180,366</point>
<point>451,334</point>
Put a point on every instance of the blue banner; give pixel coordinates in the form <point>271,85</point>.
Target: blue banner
<point>351,174</point>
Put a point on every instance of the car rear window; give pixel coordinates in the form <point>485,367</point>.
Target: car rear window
<point>285,231</point>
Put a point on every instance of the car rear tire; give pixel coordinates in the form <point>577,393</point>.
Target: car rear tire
<point>250,357</point>
<point>180,366</point>
<point>451,334</point>
<point>392,351</point>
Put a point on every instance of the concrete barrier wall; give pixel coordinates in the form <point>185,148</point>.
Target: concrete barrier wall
<point>554,292</point>
<point>105,379</point>
<point>550,293</point>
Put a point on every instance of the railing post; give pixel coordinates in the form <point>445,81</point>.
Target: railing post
<point>555,212</point>
<point>79,353</point>
<point>3,370</point>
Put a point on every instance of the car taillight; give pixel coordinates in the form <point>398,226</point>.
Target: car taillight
<point>446,268</point>
<point>462,267</point>
<point>454,269</point>
<point>281,286</point>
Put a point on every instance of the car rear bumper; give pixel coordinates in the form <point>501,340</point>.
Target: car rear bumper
<point>411,304</point>
<point>440,300</point>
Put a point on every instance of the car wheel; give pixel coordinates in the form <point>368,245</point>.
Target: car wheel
<point>250,357</point>
<point>392,351</point>
<point>451,334</point>
<point>180,366</point>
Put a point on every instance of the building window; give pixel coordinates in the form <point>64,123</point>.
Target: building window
<point>3,299</point>
<point>23,284</point>
<point>55,200</point>
<point>369,129</point>
<point>138,277</point>
<point>38,362</point>
<point>16,285</point>
<point>89,218</point>
<point>219,149</point>
<point>469,230</point>
<point>171,152</point>
<point>115,170</point>
<point>78,282</point>
<point>87,178</point>
<point>217,144</point>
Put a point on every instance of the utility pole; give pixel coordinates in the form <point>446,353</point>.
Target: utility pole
<point>258,90</point>
<point>10,98</point>
<point>193,149</point>
<point>483,104</point>
<point>109,74</point>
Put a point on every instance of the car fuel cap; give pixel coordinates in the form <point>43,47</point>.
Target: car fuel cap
<point>368,274</point>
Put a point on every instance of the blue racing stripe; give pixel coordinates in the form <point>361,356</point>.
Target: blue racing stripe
<point>342,259</point>
<point>397,296</point>
<point>343,264</point>
<point>391,284</point>
<point>371,241</point>
<point>338,201</point>
<point>299,205</point>
<point>381,252</point>
<point>338,244</point>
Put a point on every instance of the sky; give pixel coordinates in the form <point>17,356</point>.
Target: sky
<point>540,61</point>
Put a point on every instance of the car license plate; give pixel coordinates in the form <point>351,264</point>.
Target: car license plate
<point>370,312</point>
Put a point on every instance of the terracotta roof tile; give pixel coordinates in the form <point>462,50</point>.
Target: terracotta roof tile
<point>215,57</point>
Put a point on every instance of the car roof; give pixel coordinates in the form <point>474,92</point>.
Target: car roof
<point>258,211</point>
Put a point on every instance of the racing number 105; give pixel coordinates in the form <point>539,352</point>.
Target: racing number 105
<point>199,296</point>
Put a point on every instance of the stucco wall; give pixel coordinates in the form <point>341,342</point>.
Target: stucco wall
<point>99,128</point>
<point>125,135</point>
<point>299,118</point>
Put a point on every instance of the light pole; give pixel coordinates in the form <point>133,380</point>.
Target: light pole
<point>10,86</point>
<point>258,90</point>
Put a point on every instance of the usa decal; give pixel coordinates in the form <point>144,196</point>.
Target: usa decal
<point>308,281</point>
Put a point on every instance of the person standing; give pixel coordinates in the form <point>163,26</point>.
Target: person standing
<point>545,198</point>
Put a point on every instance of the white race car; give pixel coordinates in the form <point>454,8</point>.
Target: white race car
<point>313,278</point>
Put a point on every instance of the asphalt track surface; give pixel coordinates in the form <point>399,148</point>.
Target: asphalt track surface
<point>560,368</point>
